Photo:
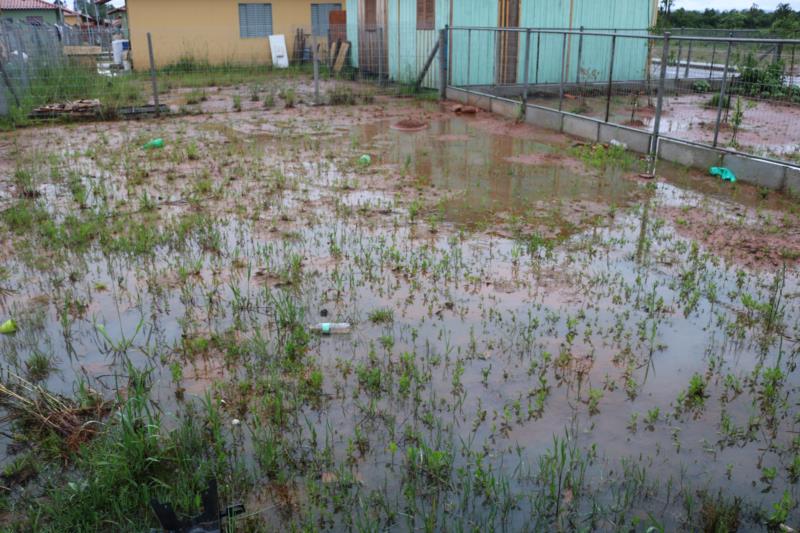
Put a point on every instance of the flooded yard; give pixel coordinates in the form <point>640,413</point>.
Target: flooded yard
<point>539,339</point>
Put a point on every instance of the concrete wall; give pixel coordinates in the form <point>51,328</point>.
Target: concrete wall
<point>207,30</point>
<point>748,169</point>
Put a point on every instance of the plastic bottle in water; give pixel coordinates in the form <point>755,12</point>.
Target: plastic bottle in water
<point>330,328</point>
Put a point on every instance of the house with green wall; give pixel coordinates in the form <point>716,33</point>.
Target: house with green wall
<point>393,38</point>
<point>29,11</point>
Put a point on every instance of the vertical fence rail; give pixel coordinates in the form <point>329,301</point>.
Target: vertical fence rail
<point>610,77</point>
<point>721,102</point>
<point>443,64</point>
<point>527,74</point>
<point>563,69</point>
<point>153,78</point>
<point>580,56</point>
<point>662,79</point>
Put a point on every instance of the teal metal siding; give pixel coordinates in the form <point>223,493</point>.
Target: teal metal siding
<point>482,44</point>
<point>352,30</point>
<point>408,48</point>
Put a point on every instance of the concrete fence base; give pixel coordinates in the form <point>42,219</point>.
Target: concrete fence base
<point>748,169</point>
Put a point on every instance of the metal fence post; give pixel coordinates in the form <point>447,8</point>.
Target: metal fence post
<point>315,57</point>
<point>688,60</point>
<point>722,93</point>
<point>496,56</point>
<point>380,57</point>
<point>469,55</point>
<point>538,47</point>
<point>678,61</point>
<point>662,78</point>
<point>449,54</point>
<point>713,56</point>
<point>153,74</point>
<point>563,66</point>
<point>527,79</point>
<point>580,55</point>
<point>610,76</point>
<point>443,64</point>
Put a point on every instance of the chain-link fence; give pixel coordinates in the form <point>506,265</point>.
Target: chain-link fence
<point>735,93</point>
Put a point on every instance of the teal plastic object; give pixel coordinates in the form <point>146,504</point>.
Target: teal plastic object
<point>365,160</point>
<point>724,173</point>
<point>155,143</point>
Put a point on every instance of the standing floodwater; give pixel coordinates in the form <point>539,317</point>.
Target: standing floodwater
<point>476,325</point>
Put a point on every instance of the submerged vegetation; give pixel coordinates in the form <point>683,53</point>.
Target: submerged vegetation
<point>534,339</point>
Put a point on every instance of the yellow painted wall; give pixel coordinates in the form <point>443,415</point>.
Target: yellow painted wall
<point>72,20</point>
<point>208,30</point>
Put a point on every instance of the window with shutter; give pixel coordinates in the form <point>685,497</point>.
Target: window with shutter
<point>255,20</point>
<point>426,14</point>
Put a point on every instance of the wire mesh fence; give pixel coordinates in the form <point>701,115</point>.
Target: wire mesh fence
<point>203,69</point>
<point>736,93</point>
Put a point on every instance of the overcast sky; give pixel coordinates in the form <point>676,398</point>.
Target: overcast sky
<point>769,5</point>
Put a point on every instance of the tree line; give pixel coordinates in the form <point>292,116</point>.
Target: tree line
<point>783,20</point>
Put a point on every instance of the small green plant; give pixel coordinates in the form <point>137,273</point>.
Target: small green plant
<point>38,366</point>
<point>192,151</point>
<point>289,98</point>
<point>237,102</point>
<point>701,86</point>
<point>269,100</point>
<point>595,395</point>
<point>695,394</point>
<point>196,96</point>
<point>652,417</point>
<point>736,119</point>
<point>341,95</point>
<point>255,90</point>
<point>714,102</point>
<point>604,157</point>
<point>381,316</point>
<point>781,510</point>
<point>718,514</point>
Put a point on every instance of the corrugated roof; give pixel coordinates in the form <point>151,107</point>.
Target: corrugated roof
<point>26,4</point>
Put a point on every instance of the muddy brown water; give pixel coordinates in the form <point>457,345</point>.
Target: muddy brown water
<point>621,295</point>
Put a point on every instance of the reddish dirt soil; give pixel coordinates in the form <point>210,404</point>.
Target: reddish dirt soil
<point>765,241</point>
<point>410,124</point>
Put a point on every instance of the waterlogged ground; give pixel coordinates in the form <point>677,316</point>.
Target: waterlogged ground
<point>541,340</point>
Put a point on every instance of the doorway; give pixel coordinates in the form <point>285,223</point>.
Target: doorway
<point>508,42</point>
<point>372,44</point>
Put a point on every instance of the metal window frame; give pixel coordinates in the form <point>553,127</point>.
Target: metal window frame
<point>249,29</point>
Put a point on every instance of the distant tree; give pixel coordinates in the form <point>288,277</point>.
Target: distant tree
<point>786,22</point>
<point>666,8</point>
<point>783,21</point>
<point>783,10</point>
